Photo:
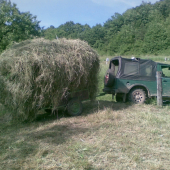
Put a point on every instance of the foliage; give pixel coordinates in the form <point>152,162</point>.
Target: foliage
<point>15,25</point>
<point>140,30</point>
<point>155,38</point>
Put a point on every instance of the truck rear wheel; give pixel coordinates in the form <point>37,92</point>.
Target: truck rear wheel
<point>137,96</point>
<point>119,97</point>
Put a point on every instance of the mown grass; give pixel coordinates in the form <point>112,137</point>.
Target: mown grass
<point>108,135</point>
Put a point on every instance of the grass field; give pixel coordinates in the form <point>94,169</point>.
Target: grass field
<point>108,135</point>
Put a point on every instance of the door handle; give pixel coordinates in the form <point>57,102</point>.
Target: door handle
<point>164,81</point>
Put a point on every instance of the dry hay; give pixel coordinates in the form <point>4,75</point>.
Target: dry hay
<point>38,73</point>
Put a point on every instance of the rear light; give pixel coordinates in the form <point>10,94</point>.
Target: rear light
<point>106,78</point>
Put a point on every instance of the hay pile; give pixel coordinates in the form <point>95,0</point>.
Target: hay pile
<point>38,73</point>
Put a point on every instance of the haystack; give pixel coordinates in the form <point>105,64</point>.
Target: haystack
<point>38,73</point>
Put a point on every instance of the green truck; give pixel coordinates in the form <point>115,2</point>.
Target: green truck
<point>135,80</point>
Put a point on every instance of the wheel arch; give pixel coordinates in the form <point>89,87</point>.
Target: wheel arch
<point>139,86</point>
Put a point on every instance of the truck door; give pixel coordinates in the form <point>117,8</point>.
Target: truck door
<point>166,81</point>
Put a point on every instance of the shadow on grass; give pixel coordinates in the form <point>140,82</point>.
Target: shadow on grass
<point>51,132</point>
<point>50,116</point>
<point>32,141</point>
<point>89,107</point>
<point>22,141</point>
<point>99,105</point>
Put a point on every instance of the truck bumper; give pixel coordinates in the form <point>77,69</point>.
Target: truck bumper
<point>109,90</point>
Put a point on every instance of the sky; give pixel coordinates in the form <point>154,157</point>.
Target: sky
<point>91,12</point>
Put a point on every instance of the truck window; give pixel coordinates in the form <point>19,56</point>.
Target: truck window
<point>115,66</point>
<point>131,68</point>
<point>146,70</point>
<point>165,72</point>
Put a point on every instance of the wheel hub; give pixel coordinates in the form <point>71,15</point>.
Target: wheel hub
<point>137,97</point>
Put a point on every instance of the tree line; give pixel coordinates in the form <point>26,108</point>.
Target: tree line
<point>16,26</point>
<point>140,30</point>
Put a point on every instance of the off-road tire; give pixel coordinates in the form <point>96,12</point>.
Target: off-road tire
<point>112,77</point>
<point>137,96</point>
<point>74,107</point>
<point>119,97</point>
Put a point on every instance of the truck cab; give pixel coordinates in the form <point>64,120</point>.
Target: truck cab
<point>135,79</point>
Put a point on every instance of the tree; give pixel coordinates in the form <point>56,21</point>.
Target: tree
<point>155,38</point>
<point>114,24</point>
<point>94,35</point>
<point>67,30</point>
<point>16,25</point>
<point>50,33</point>
<point>143,29</point>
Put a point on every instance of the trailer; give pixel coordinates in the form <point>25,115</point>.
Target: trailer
<point>72,102</point>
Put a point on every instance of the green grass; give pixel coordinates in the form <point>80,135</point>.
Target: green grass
<point>108,135</point>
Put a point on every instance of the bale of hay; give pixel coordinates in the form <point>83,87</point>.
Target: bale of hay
<point>38,73</point>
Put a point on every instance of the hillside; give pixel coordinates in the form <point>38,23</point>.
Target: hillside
<point>140,30</point>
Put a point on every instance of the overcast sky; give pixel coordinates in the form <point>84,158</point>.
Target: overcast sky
<point>91,12</point>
